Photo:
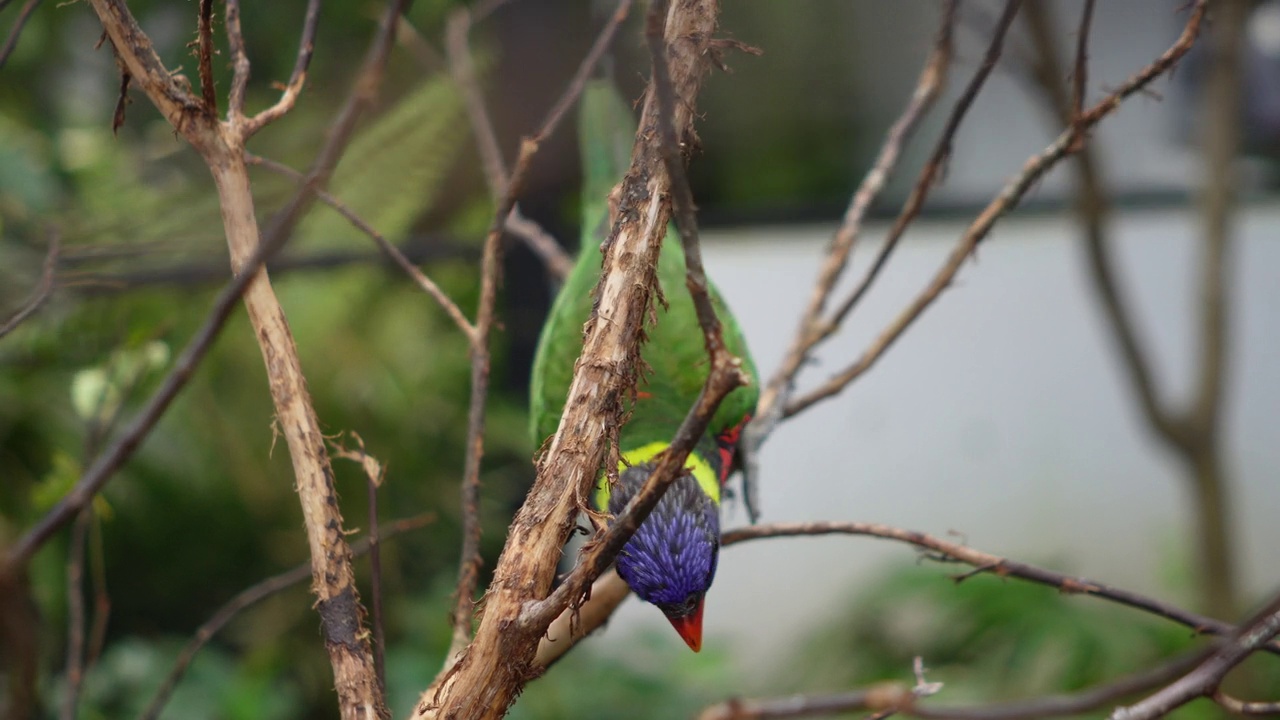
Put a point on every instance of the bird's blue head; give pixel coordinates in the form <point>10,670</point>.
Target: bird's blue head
<point>671,559</point>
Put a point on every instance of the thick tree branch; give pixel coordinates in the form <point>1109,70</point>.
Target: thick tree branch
<point>494,667</point>
<point>505,191</point>
<point>222,148</point>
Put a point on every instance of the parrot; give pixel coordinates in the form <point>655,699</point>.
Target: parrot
<point>671,560</point>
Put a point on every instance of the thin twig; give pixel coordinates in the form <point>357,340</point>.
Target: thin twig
<point>537,239</point>
<point>893,696</point>
<point>986,563</point>
<point>42,291</point>
<point>777,392</point>
<point>1080,76</point>
<point>361,96</point>
<point>1094,209</point>
<point>461,66</point>
<point>933,170</point>
<point>239,63</point>
<point>1009,196</point>
<point>427,284</point>
<point>683,209</point>
<point>463,71</point>
<point>1245,707</point>
<point>75,615</point>
<point>306,47</point>
<point>505,190</point>
<point>1203,681</point>
<point>252,595</point>
<point>15,32</point>
<point>204,53</point>
<point>101,598</point>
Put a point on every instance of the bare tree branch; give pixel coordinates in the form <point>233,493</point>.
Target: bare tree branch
<point>427,284</point>
<point>204,55</point>
<point>1009,196</point>
<point>43,290</point>
<point>489,673</point>
<point>361,96</point>
<point>1203,681</point>
<point>775,395</point>
<point>896,699</point>
<point>933,170</point>
<point>982,562</point>
<point>15,32</point>
<point>1245,707</point>
<point>75,615</point>
<point>288,98</point>
<point>505,191</point>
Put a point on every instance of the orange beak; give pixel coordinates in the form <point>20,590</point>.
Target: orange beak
<point>690,627</point>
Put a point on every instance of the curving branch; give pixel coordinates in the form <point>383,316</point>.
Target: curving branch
<point>15,32</point>
<point>43,290</point>
<point>289,96</point>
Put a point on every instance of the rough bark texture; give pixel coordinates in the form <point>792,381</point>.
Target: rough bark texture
<point>221,145</point>
<point>489,674</point>
<point>333,580</point>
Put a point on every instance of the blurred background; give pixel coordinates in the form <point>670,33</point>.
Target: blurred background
<point>1005,416</point>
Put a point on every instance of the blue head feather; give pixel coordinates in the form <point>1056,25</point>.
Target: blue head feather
<point>671,559</point>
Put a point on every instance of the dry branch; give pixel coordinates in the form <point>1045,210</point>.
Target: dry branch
<point>15,32</point>
<point>1006,200</point>
<point>222,148</point>
<point>505,190</point>
<point>987,563</point>
<point>489,673</point>
<point>1204,680</point>
<point>777,392</point>
<point>895,699</point>
<point>43,290</point>
<point>425,283</point>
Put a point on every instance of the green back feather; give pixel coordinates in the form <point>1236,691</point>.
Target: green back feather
<point>675,353</point>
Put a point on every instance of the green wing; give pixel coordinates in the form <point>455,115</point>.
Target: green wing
<point>675,352</point>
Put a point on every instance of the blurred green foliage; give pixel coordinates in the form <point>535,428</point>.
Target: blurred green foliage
<point>206,508</point>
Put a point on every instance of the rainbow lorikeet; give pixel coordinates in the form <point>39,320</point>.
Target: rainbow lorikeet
<point>671,560</point>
